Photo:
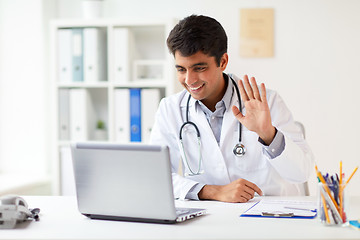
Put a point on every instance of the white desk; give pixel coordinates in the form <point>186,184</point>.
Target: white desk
<point>60,219</point>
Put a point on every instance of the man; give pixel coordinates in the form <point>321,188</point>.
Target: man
<point>276,160</point>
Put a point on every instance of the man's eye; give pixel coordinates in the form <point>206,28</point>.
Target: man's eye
<point>180,70</point>
<point>200,69</point>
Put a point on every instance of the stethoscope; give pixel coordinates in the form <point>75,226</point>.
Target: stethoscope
<point>239,149</point>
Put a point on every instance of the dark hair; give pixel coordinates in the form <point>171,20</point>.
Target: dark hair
<point>198,33</point>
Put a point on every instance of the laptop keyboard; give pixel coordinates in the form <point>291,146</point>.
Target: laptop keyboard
<point>188,213</point>
<point>180,211</point>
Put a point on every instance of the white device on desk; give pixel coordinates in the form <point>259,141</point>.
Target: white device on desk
<point>130,182</point>
<point>14,209</point>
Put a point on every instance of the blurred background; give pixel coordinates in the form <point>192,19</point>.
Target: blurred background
<point>315,68</point>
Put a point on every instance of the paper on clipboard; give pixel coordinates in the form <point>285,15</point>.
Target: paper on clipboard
<point>282,208</point>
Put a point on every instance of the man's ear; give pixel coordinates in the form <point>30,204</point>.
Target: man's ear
<point>224,61</point>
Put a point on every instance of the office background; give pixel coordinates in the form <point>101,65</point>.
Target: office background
<point>315,69</point>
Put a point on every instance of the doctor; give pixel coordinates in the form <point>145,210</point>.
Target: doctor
<point>203,124</point>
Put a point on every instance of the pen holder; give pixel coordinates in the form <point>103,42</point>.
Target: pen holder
<point>331,202</point>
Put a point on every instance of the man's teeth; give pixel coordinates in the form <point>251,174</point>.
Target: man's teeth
<point>196,88</point>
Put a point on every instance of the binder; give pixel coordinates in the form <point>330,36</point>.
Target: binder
<point>77,55</point>
<point>122,115</point>
<point>135,115</point>
<point>64,126</point>
<point>64,48</point>
<point>122,57</point>
<point>150,99</point>
<point>80,114</point>
<point>94,54</point>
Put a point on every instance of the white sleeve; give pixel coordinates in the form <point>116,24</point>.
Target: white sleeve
<point>296,162</point>
<point>165,132</point>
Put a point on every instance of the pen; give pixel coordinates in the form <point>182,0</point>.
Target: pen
<point>340,172</point>
<point>303,209</point>
<point>333,210</point>
<point>351,176</point>
<point>335,188</point>
<point>341,208</point>
<point>326,187</point>
<point>342,187</point>
<point>325,208</point>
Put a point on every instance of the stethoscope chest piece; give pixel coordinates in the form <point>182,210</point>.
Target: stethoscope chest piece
<point>239,150</point>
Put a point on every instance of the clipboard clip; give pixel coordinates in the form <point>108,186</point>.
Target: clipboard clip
<point>276,214</point>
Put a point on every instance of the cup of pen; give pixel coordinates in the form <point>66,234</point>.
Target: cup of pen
<point>332,205</point>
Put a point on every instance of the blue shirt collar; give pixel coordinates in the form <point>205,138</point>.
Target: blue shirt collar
<point>226,100</point>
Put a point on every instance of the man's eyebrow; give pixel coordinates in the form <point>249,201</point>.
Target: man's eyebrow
<point>194,65</point>
<point>199,64</point>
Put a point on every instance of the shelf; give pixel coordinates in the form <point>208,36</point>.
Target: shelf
<point>116,22</point>
<point>84,85</point>
<point>149,83</point>
<point>147,70</point>
<point>67,143</point>
<point>123,53</point>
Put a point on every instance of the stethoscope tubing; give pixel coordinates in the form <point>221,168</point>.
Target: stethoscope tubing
<point>193,124</point>
<point>238,146</point>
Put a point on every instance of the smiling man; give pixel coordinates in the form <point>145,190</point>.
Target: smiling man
<point>202,77</point>
<point>234,140</point>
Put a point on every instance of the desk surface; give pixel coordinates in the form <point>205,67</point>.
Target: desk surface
<point>60,219</point>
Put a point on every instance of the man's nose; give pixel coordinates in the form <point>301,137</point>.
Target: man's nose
<point>190,78</point>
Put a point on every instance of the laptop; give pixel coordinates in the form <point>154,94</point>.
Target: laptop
<point>129,182</point>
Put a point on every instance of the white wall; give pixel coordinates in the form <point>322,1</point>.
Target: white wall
<point>315,68</point>
<point>1,75</point>
<point>22,89</point>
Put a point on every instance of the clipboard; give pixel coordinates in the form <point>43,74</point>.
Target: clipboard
<point>270,208</point>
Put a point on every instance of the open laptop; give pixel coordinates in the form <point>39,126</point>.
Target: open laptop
<point>130,182</point>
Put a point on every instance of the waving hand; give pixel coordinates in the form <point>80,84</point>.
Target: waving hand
<point>257,117</point>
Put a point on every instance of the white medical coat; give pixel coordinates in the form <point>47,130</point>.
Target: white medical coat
<point>278,176</point>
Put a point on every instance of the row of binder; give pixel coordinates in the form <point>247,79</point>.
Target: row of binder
<point>82,55</point>
<point>76,114</point>
<point>134,111</point>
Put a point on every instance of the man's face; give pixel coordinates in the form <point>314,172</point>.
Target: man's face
<point>201,76</point>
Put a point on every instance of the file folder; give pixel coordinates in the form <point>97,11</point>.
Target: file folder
<point>94,55</point>
<point>135,115</point>
<point>122,54</point>
<point>150,99</point>
<point>77,55</point>
<point>64,48</point>
<point>81,114</point>
<point>64,126</point>
<point>122,115</point>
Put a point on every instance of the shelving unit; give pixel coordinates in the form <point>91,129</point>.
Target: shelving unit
<point>136,57</point>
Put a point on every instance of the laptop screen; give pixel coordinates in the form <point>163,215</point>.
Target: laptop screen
<point>123,180</point>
